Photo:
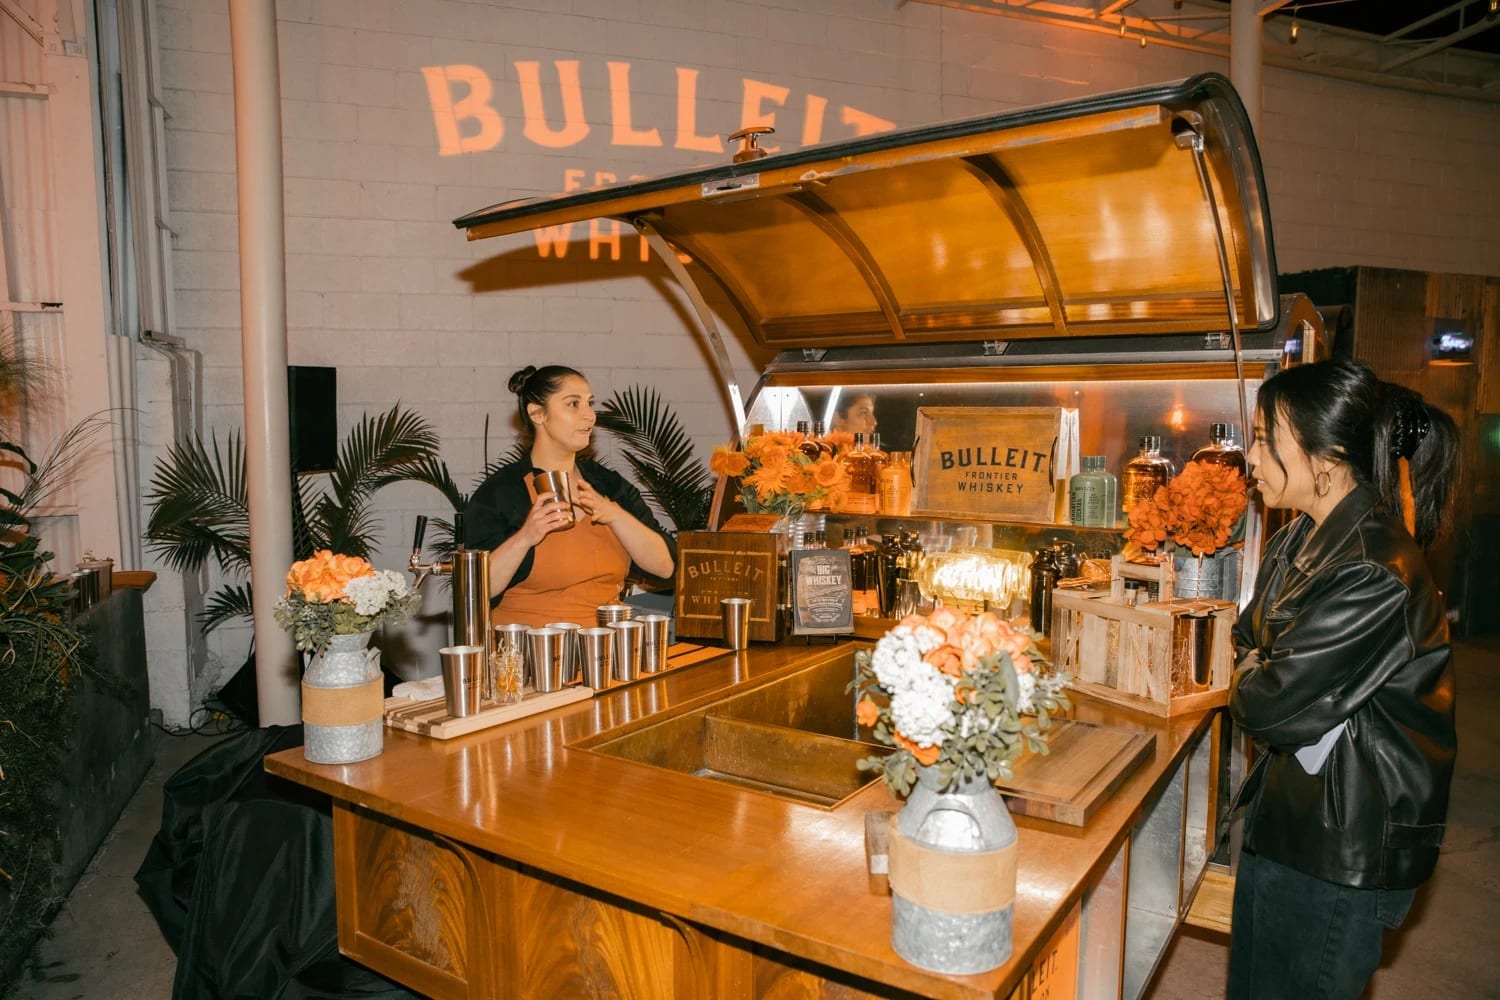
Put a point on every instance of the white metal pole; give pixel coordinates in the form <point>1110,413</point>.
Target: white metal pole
<point>257,128</point>
<point>1246,55</point>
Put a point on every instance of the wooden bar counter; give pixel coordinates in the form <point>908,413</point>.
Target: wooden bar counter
<point>514,863</point>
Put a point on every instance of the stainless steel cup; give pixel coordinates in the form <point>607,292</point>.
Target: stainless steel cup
<point>85,589</point>
<point>597,653</point>
<point>463,669</point>
<point>628,643</point>
<point>513,637</point>
<point>736,614</point>
<point>654,642</point>
<point>570,649</point>
<point>556,482</point>
<point>608,614</point>
<point>545,646</point>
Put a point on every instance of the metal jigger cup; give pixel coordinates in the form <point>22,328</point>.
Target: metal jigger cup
<point>597,655</point>
<point>555,482</point>
<point>736,614</point>
<point>514,637</point>
<point>608,614</point>
<point>463,669</point>
<point>570,649</point>
<point>546,648</point>
<point>654,645</point>
<point>628,643</point>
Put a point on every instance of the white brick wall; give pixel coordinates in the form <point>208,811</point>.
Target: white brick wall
<point>381,285</point>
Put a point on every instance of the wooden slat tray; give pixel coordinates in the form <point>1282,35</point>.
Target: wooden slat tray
<point>1086,763</point>
<point>431,718</point>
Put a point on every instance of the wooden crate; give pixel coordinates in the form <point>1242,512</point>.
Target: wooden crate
<point>1139,656</point>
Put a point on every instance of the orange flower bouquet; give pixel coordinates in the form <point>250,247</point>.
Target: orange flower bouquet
<point>1201,509</point>
<point>776,476</point>
<point>949,690</point>
<point>331,595</point>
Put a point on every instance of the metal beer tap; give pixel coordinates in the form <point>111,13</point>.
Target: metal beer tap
<point>420,570</point>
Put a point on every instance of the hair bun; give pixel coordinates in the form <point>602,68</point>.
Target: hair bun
<point>518,380</point>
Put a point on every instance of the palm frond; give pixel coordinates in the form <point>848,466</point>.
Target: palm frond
<point>661,454</point>
<point>200,506</point>
<point>376,452</point>
<point>226,604</point>
<point>60,465</point>
<point>433,471</point>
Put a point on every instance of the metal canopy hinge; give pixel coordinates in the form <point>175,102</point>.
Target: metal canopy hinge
<point>812,355</point>
<point>994,348</point>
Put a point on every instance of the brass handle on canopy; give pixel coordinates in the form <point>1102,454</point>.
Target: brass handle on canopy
<point>750,134</point>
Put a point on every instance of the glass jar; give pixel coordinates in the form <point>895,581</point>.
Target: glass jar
<point>1043,581</point>
<point>1144,474</point>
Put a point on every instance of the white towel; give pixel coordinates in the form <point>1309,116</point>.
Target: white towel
<point>425,689</point>
<point>1312,758</point>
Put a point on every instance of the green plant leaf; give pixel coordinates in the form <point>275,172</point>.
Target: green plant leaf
<point>661,455</point>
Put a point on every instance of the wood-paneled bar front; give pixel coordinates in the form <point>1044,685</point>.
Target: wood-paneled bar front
<point>516,862</point>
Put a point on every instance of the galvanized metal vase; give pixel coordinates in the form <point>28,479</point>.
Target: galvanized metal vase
<point>967,830</point>
<point>343,702</point>
<point>1197,576</point>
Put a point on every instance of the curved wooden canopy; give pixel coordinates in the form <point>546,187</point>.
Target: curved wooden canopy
<point>1101,216</point>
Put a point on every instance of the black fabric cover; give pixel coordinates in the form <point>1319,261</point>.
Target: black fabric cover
<point>240,878</point>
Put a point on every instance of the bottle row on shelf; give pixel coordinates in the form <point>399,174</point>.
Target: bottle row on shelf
<point>1097,499</point>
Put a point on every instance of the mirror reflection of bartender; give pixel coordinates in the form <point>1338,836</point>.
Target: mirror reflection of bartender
<point>551,560</point>
<point>855,414</point>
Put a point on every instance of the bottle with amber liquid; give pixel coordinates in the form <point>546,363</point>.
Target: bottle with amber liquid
<point>865,569</point>
<point>859,467</point>
<point>809,443</point>
<point>1144,474</point>
<point>820,436</point>
<point>881,458</point>
<point>895,485</point>
<point>1221,449</point>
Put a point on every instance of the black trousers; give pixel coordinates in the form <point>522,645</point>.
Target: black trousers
<point>1298,937</point>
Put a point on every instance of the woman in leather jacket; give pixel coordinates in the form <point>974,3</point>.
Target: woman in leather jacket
<point>1344,680</point>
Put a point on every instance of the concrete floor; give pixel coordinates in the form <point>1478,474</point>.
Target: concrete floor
<point>105,944</point>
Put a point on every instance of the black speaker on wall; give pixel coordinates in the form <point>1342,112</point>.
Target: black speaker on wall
<point>312,405</point>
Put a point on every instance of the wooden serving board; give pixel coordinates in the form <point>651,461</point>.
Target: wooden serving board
<point>431,718</point>
<point>1084,765</point>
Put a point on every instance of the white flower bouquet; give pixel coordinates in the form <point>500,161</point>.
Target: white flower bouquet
<point>950,690</point>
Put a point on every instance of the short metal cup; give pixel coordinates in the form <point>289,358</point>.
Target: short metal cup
<point>555,482</point>
<point>736,614</point>
<point>545,646</point>
<point>628,648</point>
<point>463,669</point>
<point>597,653</point>
<point>513,637</point>
<point>654,642</point>
<point>570,649</point>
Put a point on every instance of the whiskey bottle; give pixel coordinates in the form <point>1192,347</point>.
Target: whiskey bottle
<point>859,466</point>
<point>1144,474</point>
<point>1221,449</point>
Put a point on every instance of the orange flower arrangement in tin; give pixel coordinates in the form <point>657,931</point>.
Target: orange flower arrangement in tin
<point>1200,509</point>
<point>777,477</point>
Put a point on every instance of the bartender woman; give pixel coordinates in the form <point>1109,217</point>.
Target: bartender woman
<point>544,565</point>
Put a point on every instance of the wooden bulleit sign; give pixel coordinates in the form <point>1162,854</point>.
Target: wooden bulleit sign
<point>1000,463</point>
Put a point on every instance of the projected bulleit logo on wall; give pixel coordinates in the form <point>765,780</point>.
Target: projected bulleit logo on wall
<point>554,116</point>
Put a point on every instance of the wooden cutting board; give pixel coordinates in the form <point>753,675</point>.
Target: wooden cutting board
<point>1086,763</point>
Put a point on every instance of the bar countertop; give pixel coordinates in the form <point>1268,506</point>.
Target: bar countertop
<point>784,875</point>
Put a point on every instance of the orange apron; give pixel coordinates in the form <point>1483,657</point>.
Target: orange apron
<point>573,571</point>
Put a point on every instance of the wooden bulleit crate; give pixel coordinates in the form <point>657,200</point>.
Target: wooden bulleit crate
<point>1163,657</point>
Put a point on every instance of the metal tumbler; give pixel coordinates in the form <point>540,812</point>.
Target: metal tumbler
<point>654,642</point>
<point>736,614</point>
<point>570,649</point>
<point>463,671</point>
<point>546,648</point>
<point>628,643</point>
<point>597,655</point>
<point>555,482</point>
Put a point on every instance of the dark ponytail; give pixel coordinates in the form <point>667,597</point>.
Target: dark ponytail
<point>1427,438</point>
<point>536,385</point>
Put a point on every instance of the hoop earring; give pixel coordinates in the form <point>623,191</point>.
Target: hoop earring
<point>1322,483</point>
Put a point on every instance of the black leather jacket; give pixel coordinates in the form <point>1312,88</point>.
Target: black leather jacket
<point>1347,625</point>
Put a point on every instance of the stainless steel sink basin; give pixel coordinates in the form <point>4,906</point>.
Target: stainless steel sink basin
<point>794,736</point>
